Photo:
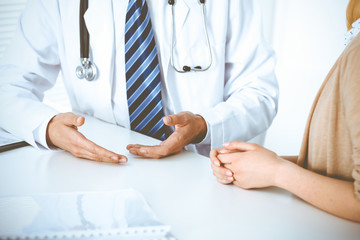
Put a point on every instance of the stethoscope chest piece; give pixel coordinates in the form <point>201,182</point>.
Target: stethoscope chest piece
<point>86,70</point>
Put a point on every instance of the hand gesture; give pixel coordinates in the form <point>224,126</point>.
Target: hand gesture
<point>189,128</point>
<point>250,165</point>
<point>62,132</point>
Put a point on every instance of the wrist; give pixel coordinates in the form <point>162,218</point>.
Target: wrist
<point>201,129</point>
<point>49,129</point>
<point>283,172</point>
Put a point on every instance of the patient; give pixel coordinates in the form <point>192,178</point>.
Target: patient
<point>326,173</point>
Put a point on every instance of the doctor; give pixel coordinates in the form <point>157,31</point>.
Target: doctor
<point>235,98</point>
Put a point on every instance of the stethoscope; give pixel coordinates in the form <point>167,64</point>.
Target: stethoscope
<point>88,69</point>
<point>187,68</point>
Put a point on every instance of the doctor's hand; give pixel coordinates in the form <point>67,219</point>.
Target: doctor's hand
<point>62,132</point>
<point>189,128</point>
<point>252,165</point>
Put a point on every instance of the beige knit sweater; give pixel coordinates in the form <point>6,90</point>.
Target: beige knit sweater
<point>331,144</point>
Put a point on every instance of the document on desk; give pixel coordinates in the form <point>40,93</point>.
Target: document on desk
<point>120,214</point>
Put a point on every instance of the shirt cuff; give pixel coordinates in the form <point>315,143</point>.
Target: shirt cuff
<point>207,138</point>
<point>39,134</point>
<point>214,135</point>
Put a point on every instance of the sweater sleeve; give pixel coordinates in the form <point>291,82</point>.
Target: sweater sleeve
<point>351,98</point>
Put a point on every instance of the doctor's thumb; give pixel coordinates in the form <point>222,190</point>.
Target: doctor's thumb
<point>79,121</point>
<point>176,119</point>
<point>172,120</point>
<point>181,119</point>
<point>75,120</point>
<point>168,120</point>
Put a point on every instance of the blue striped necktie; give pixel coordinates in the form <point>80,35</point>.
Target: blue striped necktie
<point>142,72</point>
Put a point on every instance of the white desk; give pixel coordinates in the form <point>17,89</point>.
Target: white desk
<point>181,190</point>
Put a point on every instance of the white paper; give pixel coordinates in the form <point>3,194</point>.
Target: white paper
<point>80,215</point>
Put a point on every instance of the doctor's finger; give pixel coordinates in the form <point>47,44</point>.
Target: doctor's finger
<point>173,144</point>
<point>157,151</point>
<point>90,150</point>
<point>98,158</point>
<point>130,146</point>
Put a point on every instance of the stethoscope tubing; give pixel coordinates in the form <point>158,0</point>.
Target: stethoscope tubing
<point>84,33</point>
<point>187,68</point>
<point>88,69</point>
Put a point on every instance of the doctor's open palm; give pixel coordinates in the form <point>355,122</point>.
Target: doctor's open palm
<point>189,128</point>
<point>62,132</point>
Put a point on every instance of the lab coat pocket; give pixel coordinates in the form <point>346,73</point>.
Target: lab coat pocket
<point>201,56</point>
<point>212,57</point>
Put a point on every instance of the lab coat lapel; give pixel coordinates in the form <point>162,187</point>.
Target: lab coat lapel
<point>100,24</point>
<point>180,14</point>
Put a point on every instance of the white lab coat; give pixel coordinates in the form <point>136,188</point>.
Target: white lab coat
<point>237,96</point>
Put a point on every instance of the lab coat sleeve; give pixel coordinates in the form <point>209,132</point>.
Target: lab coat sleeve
<point>30,67</point>
<point>250,85</point>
